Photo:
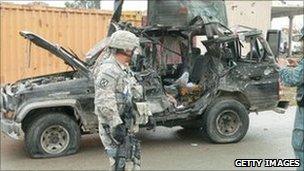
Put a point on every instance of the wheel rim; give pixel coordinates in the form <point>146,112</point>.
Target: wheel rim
<point>228,122</point>
<point>55,139</point>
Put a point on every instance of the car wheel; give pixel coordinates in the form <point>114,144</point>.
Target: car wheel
<point>226,121</point>
<point>52,135</point>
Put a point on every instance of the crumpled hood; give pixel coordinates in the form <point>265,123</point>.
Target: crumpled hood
<point>57,50</point>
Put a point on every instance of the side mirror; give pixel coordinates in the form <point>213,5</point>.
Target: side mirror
<point>274,40</point>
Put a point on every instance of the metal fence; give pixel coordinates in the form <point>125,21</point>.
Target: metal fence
<point>72,28</point>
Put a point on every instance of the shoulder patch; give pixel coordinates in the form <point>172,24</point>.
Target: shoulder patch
<point>103,83</point>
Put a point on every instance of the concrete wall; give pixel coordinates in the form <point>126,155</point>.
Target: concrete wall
<point>255,14</point>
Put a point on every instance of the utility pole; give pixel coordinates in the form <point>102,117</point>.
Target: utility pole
<point>290,35</point>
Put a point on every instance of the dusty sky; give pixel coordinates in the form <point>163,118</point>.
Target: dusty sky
<point>277,23</point>
<point>130,4</point>
<point>105,4</point>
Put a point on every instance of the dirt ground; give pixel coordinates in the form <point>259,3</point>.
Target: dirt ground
<point>268,137</point>
<point>289,94</point>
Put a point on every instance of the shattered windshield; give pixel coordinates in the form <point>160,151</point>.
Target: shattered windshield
<point>181,12</point>
<point>213,11</point>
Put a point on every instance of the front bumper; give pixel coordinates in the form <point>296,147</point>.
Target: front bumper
<point>9,126</point>
<point>12,129</point>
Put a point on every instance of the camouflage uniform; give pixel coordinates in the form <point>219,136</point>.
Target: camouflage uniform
<point>295,77</point>
<point>115,87</point>
<point>113,83</point>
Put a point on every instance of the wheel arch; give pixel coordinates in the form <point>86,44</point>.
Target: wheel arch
<point>32,110</point>
<point>236,95</point>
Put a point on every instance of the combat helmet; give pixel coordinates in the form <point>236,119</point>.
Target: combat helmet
<point>124,40</point>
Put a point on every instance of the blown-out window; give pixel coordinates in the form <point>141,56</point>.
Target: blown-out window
<point>252,49</point>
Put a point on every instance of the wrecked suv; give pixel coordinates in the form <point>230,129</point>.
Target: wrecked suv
<point>202,76</point>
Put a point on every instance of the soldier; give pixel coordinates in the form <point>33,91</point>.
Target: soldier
<point>292,74</point>
<point>115,89</point>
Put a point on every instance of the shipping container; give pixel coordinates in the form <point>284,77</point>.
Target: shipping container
<point>76,29</point>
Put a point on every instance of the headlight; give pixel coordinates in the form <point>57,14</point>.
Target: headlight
<point>6,100</point>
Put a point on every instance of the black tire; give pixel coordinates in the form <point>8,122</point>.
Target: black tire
<point>226,121</point>
<point>40,136</point>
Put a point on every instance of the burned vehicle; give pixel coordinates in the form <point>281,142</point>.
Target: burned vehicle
<point>201,75</point>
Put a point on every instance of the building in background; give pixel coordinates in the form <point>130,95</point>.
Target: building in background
<point>256,14</point>
<point>292,14</point>
<point>281,15</point>
<point>81,29</point>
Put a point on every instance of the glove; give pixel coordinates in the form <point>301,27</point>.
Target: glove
<point>151,123</point>
<point>119,133</point>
